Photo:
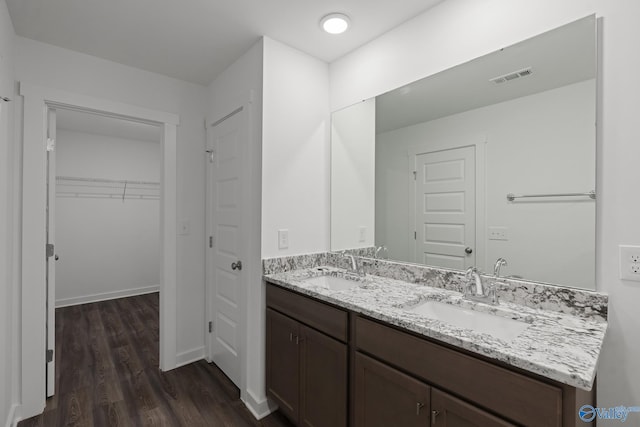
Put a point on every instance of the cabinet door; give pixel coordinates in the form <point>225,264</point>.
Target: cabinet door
<point>385,397</point>
<point>282,362</point>
<point>323,380</point>
<point>448,411</point>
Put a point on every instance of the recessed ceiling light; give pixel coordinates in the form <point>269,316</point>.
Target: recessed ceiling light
<point>335,23</point>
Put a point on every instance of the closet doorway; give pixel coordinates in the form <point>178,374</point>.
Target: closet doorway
<point>38,302</point>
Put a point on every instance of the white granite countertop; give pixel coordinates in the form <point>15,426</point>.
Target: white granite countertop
<point>558,346</point>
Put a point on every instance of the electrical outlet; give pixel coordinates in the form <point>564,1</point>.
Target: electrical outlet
<point>630,262</point>
<point>362,234</point>
<point>498,233</point>
<point>283,239</point>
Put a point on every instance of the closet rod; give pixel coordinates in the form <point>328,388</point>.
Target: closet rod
<point>101,180</point>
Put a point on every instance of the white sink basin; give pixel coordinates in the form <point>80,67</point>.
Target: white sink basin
<point>497,326</point>
<point>332,282</point>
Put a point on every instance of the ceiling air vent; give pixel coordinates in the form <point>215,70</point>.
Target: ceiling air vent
<point>512,76</point>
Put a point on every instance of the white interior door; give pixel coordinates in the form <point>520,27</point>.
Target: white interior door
<point>51,256</point>
<point>445,217</point>
<point>226,281</point>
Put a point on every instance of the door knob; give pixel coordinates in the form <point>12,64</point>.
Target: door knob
<point>468,250</point>
<point>236,265</point>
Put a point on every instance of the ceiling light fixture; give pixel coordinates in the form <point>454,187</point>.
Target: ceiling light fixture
<point>335,23</point>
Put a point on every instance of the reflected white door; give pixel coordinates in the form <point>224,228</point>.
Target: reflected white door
<point>227,145</point>
<point>51,256</point>
<point>445,215</point>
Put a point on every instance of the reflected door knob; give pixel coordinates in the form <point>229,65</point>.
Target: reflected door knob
<point>236,265</point>
<point>468,250</point>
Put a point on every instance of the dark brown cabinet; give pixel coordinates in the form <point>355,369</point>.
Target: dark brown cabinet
<point>385,397</point>
<point>306,369</point>
<point>448,411</point>
<point>283,373</point>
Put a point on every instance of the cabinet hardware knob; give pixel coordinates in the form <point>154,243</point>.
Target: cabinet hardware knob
<point>418,407</point>
<point>434,415</point>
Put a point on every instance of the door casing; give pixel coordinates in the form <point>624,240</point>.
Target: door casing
<point>479,141</point>
<point>36,101</point>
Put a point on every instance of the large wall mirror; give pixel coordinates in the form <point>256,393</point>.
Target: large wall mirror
<point>492,158</point>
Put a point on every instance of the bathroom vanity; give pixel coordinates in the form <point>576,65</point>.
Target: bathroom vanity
<point>362,355</point>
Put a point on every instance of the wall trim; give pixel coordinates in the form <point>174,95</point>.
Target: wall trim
<point>190,356</point>
<point>259,408</point>
<point>12,416</point>
<point>105,296</point>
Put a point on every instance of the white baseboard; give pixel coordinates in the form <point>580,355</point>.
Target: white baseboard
<point>190,356</point>
<point>12,417</point>
<point>106,296</point>
<point>259,407</point>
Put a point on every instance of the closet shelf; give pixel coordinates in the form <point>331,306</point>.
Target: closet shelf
<point>81,187</point>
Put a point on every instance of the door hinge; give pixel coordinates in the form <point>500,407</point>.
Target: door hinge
<point>210,241</point>
<point>51,144</point>
<point>211,153</point>
<point>415,174</point>
<point>50,250</point>
<point>49,356</point>
<point>415,235</point>
<point>210,326</point>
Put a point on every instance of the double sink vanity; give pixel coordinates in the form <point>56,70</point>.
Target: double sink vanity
<point>401,345</point>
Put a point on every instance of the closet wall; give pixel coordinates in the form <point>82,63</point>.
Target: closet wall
<point>107,236</point>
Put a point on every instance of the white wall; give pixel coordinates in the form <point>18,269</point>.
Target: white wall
<point>542,143</point>
<point>458,30</point>
<point>49,66</point>
<point>295,151</point>
<point>108,248</point>
<point>241,81</point>
<point>353,147</point>
<point>7,284</point>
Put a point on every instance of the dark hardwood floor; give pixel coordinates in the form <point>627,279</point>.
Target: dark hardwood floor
<point>107,375</point>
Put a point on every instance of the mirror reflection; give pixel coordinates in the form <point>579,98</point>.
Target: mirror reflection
<point>425,170</point>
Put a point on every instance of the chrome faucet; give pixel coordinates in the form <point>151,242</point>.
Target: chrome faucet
<point>381,250</point>
<point>475,290</point>
<point>501,262</point>
<point>355,266</point>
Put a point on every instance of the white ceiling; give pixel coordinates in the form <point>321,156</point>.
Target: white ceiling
<point>77,121</point>
<point>195,40</point>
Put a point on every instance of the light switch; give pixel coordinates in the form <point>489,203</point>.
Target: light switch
<point>185,227</point>
<point>362,234</point>
<point>498,233</point>
<point>283,239</point>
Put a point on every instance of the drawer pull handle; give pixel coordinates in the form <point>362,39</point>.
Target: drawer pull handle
<point>434,415</point>
<point>291,336</point>
<point>418,407</point>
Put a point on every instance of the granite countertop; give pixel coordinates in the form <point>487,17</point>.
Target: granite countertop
<point>556,345</point>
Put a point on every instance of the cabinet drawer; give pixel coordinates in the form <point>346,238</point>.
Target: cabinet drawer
<point>330,320</point>
<point>515,396</point>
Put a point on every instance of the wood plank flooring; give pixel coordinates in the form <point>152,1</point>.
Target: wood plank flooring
<point>107,375</point>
